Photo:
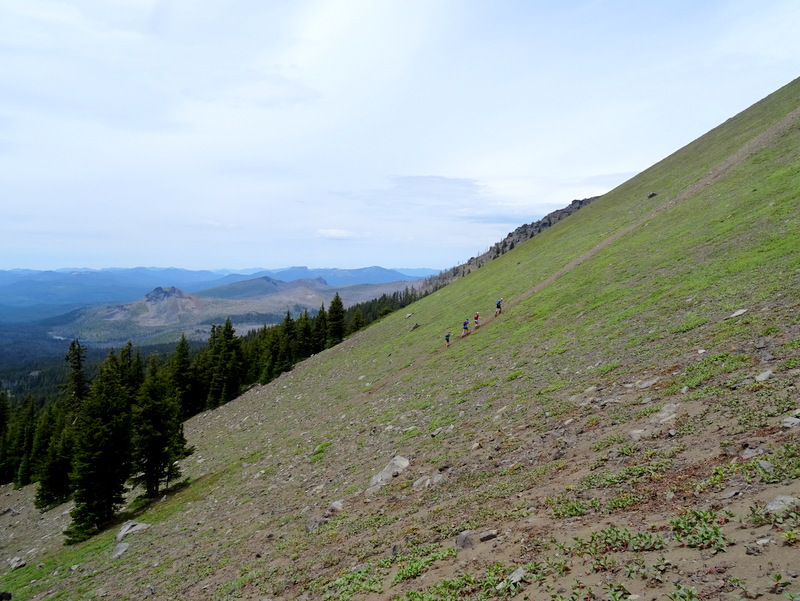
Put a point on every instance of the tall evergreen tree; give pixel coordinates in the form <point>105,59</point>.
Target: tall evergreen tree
<point>320,329</point>
<point>23,427</point>
<point>286,344</point>
<point>336,321</point>
<point>180,380</point>
<point>225,366</point>
<point>55,485</point>
<point>76,387</point>
<point>54,465</point>
<point>157,440</point>
<point>304,336</point>
<point>102,457</point>
<point>6,473</point>
<point>356,322</point>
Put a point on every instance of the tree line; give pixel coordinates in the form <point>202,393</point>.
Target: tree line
<point>123,427</point>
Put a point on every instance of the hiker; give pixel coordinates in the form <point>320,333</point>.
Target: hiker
<point>447,339</point>
<point>499,307</point>
<point>465,330</point>
<point>476,318</point>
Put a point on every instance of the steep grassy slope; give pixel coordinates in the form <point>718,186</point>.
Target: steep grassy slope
<point>618,429</point>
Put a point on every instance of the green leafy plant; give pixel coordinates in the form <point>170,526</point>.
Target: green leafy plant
<point>700,529</point>
<point>683,593</point>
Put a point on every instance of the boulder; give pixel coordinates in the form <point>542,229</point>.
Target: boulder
<point>119,549</point>
<point>130,527</point>
<point>781,504</point>
<point>392,470</point>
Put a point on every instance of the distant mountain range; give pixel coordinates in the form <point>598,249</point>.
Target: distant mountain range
<point>27,295</point>
<point>109,307</point>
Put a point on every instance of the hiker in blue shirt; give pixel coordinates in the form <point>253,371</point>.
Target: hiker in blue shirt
<point>465,331</point>
<point>447,339</point>
<point>499,309</point>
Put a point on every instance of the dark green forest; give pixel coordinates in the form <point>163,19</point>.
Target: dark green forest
<point>94,424</point>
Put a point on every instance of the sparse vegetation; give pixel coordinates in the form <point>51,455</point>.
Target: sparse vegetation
<point>577,436</point>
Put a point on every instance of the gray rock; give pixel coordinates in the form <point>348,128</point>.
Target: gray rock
<point>513,579</point>
<point>636,435</point>
<point>730,493</point>
<point>487,535</point>
<point>790,422</point>
<point>130,527</point>
<point>16,562</point>
<point>641,385</point>
<point>119,549</point>
<point>464,539</point>
<point>764,375</point>
<point>766,466</point>
<point>750,453</point>
<point>392,470</point>
<point>781,504</point>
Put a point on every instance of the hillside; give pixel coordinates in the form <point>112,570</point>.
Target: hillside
<point>617,432</point>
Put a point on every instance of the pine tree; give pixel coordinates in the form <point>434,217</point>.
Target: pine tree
<point>305,336</point>
<point>336,323</point>
<point>225,366</point>
<point>157,440</point>
<point>55,486</point>
<point>6,474</point>
<point>180,380</point>
<point>101,458</point>
<point>22,428</point>
<point>54,465</point>
<point>356,322</point>
<point>320,340</point>
<point>286,345</point>
<point>76,387</point>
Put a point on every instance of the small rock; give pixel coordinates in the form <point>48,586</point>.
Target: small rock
<point>119,549</point>
<point>751,550</point>
<point>393,469</point>
<point>464,540</point>
<point>764,375</point>
<point>641,385</point>
<point>737,313</point>
<point>750,453</point>
<point>790,422</point>
<point>514,578</point>
<point>766,466</point>
<point>16,562</point>
<point>636,435</point>
<point>130,527</point>
<point>781,504</point>
<point>487,535</point>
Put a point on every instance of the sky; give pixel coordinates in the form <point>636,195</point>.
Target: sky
<point>210,134</point>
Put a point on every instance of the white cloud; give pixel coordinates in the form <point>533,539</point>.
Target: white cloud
<point>346,132</point>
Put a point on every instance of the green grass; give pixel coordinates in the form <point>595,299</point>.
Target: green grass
<point>644,305</point>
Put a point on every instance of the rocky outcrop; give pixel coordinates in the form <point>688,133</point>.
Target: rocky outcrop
<point>519,235</point>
